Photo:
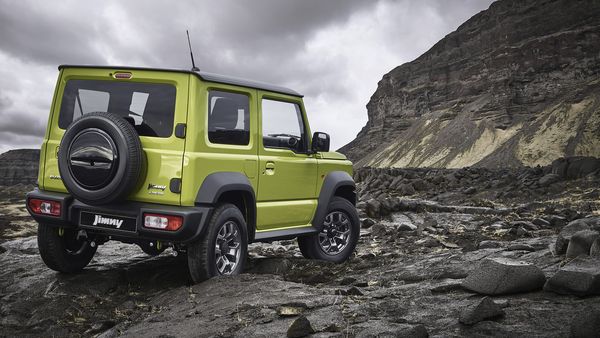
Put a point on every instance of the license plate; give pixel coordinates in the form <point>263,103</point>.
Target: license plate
<point>108,221</point>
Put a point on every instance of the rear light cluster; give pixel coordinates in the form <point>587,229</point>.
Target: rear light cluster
<point>163,222</point>
<point>44,207</point>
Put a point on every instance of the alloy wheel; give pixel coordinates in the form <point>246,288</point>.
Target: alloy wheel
<point>228,248</point>
<point>335,235</point>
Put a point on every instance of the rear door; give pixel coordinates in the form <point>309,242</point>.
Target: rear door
<point>154,101</point>
<point>287,174</point>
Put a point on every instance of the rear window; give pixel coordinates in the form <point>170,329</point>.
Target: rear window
<point>149,107</point>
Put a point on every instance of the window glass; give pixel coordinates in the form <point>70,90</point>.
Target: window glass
<point>228,118</point>
<point>149,107</point>
<point>91,100</point>
<point>282,125</point>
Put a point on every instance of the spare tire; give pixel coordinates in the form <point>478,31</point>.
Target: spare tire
<point>100,158</point>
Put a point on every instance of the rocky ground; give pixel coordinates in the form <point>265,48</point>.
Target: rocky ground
<point>469,252</point>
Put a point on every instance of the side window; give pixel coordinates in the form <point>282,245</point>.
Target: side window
<point>228,118</point>
<point>282,125</point>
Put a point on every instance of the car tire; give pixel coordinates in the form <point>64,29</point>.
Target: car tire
<point>304,247</point>
<point>338,238</point>
<point>150,250</point>
<point>62,251</point>
<point>100,158</point>
<point>226,232</point>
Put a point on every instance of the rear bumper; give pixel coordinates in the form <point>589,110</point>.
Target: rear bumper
<point>194,218</point>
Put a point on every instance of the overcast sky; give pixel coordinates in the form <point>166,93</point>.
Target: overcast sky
<point>332,51</point>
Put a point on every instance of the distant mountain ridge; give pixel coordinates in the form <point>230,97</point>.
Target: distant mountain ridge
<point>517,84</point>
<point>19,166</point>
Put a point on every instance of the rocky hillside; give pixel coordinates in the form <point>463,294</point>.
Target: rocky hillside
<point>19,166</point>
<point>517,84</point>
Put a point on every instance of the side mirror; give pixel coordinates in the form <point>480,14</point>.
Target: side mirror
<point>320,142</point>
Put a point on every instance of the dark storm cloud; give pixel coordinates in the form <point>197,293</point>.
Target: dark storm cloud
<point>332,51</point>
<point>19,124</point>
<point>33,33</point>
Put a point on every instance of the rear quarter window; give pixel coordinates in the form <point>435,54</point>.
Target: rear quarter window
<point>149,107</point>
<point>228,118</point>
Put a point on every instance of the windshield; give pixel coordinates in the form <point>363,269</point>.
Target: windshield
<point>149,107</point>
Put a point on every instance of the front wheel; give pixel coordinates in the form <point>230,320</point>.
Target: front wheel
<point>64,250</point>
<point>338,237</point>
<point>223,248</point>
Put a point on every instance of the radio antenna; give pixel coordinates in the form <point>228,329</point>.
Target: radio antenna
<point>194,68</point>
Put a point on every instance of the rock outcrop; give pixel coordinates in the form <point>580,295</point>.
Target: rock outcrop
<point>497,276</point>
<point>19,166</point>
<point>579,277</point>
<point>517,84</point>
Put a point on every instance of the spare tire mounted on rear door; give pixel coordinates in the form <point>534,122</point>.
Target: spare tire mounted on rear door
<point>100,158</point>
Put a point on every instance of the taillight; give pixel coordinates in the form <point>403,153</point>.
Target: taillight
<point>163,222</point>
<point>44,207</point>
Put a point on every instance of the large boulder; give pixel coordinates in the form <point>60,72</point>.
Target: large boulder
<point>420,185</point>
<point>581,243</point>
<point>575,167</point>
<point>579,277</point>
<point>367,223</point>
<point>406,189</point>
<point>562,241</point>
<point>300,327</point>
<point>496,276</point>
<point>480,310</point>
<point>373,208</point>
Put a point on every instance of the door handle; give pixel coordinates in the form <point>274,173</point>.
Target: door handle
<point>269,168</point>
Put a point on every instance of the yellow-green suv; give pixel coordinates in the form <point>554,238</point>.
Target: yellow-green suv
<point>199,162</point>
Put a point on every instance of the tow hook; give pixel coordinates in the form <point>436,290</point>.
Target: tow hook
<point>82,233</point>
<point>158,245</point>
<point>61,231</point>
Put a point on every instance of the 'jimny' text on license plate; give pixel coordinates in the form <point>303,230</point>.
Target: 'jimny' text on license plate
<point>108,221</point>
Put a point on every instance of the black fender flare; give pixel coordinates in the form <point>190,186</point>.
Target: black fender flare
<point>216,184</point>
<point>331,183</point>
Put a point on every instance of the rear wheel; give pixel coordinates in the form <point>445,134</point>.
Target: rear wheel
<point>338,237</point>
<point>223,248</point>
<point>64,250</point>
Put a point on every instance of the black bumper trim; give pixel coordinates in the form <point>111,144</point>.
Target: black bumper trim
<point>194,218</point>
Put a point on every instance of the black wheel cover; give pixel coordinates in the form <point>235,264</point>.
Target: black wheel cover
<point>100,158</point>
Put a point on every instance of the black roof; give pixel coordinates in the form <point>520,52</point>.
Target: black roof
<point>211,77</point>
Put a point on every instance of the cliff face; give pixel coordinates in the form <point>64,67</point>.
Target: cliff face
<point>19,166</point>
<point>517,84</point>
